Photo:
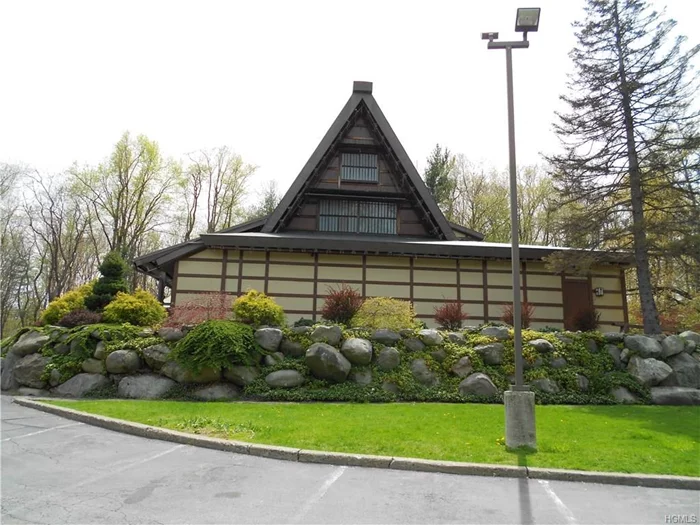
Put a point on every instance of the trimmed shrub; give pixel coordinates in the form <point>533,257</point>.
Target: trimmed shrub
<point>341,304</point>
<point>213,305</point>
<point>113,270</point>
<point>304,322</point>
<point>586,319</point>
<point>79,318</point>
<point>450,315</point>
<point>217,344</point>
<point>66,303</point>
<point>384,312</point>
<point>255,308</point>
<point>527,312</point>
<point>140,309</point>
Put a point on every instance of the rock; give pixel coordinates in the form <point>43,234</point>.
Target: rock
<point>613,337</point>
<point>357,351</point>
<point>325,362</point>
<point>477,384</point>
<point>558,362</point>
<point>686,371</point>
<point>273,359</point>
<point>407,332</point>
<point>624,396</point>
<point>463,367</point>
<point>388,359</point>
<point>456,338</point>
<point>535,364</point>
<point>302,329</point>
<point>696,356</point>
<point>414,345</point>
<point>75,348</point>
<point>29,343</point>
<point>542,345</point>
<point>625,356</point>
<point>32,392</point>
<point>499,332</point>
<point>327,334</point>
<point>100,350</point>
<point>93,366</point>
<point>117,378</point>
<point>269,338</point>
<point>492,353</point>
<point>423,374</point>
<point>55,377</point>
<point>689,335</point>
<point>361,377</point>
<point>650,371</point>
<point>29,369</point>
<point>217,392</point>
<point>147,386</point>
<point>439,355</point>
<point>392,388</point>
<point>592,346</point>
<point>241,375</point>
<point>672,345</point>
<point>170,335</point>
<point>546,385</point>
<point>156,356</point>
<point>81,384</point>
<point>563,338</point>
<point>582,382</point>
<point>145,332</point>
<point>675,395</point>
<point>430,337</point>
<point>386,337</point>
<point>292,348</point>
<point>615,352</point>
<point>690,346</point>
<point>122,362</point>
<point>61,349</point>
<point>7,378</point>
<point>175,371</point>
<point>643,346</point>
<point>284,379</point>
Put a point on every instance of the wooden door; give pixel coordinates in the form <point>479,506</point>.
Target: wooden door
<point>577,296</point>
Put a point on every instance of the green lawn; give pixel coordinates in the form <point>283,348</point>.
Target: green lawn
<point>641,439</point>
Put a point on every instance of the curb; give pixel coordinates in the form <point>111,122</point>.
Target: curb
<point>362,460</point>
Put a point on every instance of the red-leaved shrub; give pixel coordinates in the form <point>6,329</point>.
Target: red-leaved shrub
<point>450,315</point>
<point>586,319</point>
<point>341,304</point>
<point>527,312</point>
<point>79,318</point>
<point>213,305</point>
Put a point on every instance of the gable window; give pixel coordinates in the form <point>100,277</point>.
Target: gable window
<point>358,217</point>
<point>359,167</point>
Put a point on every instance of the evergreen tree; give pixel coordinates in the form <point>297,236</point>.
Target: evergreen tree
<point>113,270</point>
<point>437,176</point>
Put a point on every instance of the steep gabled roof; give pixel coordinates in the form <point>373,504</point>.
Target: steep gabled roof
<point>361,100</point>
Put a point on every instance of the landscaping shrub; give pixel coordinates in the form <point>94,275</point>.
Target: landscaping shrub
<point>213,305</point>
<point>217,344</point>
<point>79,318</point>
<point>449,316</point>
<point>113,270</point>
<point>304,322</point>
<point>586,320</point>
<point>140,309</point>
<point>255,308</point>
<point>384,312</point>
<point>527,312</point>
<point>66,303</point>
<point>341,304</point>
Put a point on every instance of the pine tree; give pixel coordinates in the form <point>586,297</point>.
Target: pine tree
<point>437,175</point>
<point>113,270</point>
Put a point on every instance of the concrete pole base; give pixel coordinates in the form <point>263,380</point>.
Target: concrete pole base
<point>520,419</point>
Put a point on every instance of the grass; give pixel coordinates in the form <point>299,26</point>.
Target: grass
<point>635,439</point>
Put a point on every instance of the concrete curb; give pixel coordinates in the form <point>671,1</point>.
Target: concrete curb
<point>361,460</point>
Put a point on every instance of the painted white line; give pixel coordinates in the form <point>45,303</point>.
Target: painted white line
<point>566,512</point>
<point>319,494</point>
<point>40,432</point>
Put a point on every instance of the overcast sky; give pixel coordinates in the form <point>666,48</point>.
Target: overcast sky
<point>268,78</point>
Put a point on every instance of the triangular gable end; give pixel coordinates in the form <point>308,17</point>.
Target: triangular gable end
<point>362,105</point>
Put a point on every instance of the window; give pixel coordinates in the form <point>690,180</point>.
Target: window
<point>359,167</point>
<point>358,217</point>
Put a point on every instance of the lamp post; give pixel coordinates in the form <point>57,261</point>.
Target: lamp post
<point>519,401</point>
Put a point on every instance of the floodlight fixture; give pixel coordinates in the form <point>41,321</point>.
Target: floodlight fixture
<point>527,20</point>
<point>489,36</point>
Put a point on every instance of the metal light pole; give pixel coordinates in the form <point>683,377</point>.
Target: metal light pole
<point>519,401</point>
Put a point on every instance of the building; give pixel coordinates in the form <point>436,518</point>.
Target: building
<point>359,213</point>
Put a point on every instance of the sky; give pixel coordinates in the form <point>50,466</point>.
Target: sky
<point>267,78</point>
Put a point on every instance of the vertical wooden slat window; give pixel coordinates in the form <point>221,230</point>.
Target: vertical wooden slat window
<point>359,167</point>
<point>357,217</point>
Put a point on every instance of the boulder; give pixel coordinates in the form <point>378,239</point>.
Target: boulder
<point>643,346</point>
<point>558,362</point>
<point>535,364</point>
<point>75,348</point>
<point>147,386</point>
<point>675,395</point>
<point>175,371</point>
<point>388,359</point>
<point>145,332</point>
<point>672,345</point>
<point>423,374</point>
<point>499,332</point>
<point>273,359</point>
<point>407,332</point>
<point>439,355</point>
<point>54,377</point>
<point>100,350</point>
<point>430,337</point>
<point>284,379</point>
<point>391,387</point>
<point>477,384</point>
<point>564,339</point>
<point>456,338</point>
<point>690,346</point>
<point>492,353</point>
<point>241,375</point>
<point>546,385</point>
<point>269,338</point>
<point>357,351</point>
<point>29,343</point>
<point>292,348</point>
<point>689,335</point>
<point>302,329</point>
<point>541,345</point>
<point>7,378</point>
<point>463,367</point>
<point>624,396</point>
<point>361,377</point>
<point>386,337</point>
<point>170,335</point>
<point>414,345</point>
<point>614,337</point>
<point>93,366</point>
<point>686,371</point>
<point>325,362</point>
<point>650,371</point>
<point>123,362</point>
<point>582,382</point>
<point>217,392</point>
<point>625,356</point>
<point>592,346</point>
<point>615,352</point>
<point>156,356</point>
<point>29,369</point>
<point>330,335</point>
<point>81,384</point>
<point>32,392</point>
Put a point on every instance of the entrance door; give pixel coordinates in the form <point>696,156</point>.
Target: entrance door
<point>577,296</point>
